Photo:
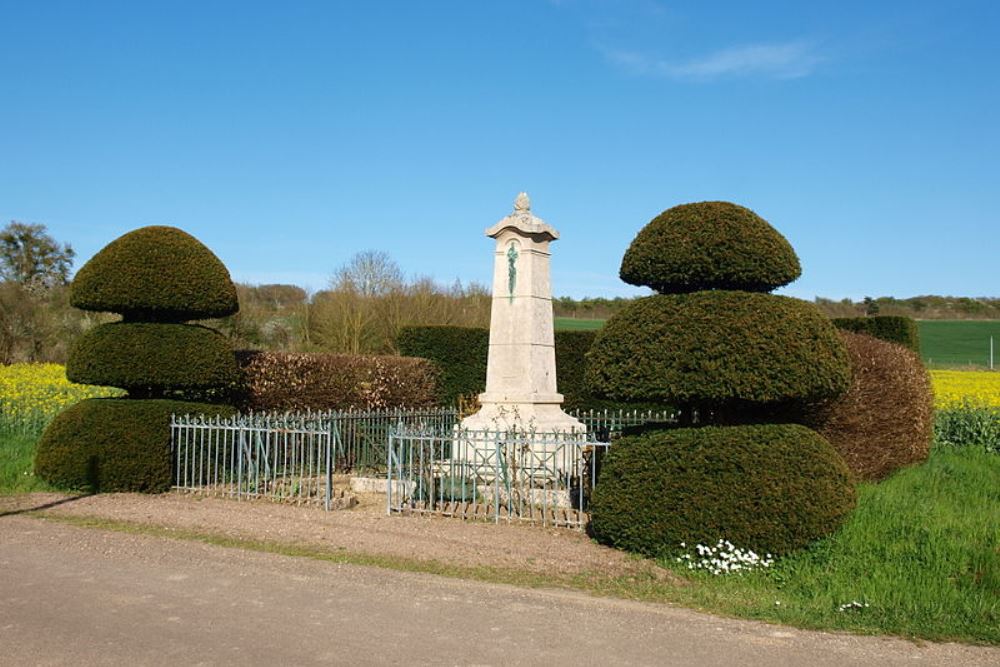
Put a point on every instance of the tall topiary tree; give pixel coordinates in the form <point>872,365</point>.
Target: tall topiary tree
<point>715,343</point>
<point>156,278</point>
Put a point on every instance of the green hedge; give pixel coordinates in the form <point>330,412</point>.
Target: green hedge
<point>709,245</point>
<point>772,488</point>
<point>152,359</point>
<point>728,352</point>
<point>110,444</point>
<point>461,354</point>
<point>892,328</point>
<point>155,274</point>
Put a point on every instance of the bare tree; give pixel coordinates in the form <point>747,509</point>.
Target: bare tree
<point>29,256</point>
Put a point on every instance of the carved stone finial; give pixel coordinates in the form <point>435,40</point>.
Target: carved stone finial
<point>522,204</point>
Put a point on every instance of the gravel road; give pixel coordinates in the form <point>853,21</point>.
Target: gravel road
<point>83,596</point>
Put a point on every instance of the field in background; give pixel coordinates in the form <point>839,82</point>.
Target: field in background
<point>576,324</point>
<point>959,342</point>
<point>943,343</point>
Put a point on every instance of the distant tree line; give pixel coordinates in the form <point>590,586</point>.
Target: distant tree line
<point>366,303</point>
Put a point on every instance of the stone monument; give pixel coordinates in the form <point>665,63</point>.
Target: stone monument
<point>521,371</point>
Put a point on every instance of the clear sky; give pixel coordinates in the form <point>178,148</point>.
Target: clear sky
<point>290,135</point>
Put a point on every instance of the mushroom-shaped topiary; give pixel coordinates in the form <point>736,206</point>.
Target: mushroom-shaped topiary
<point>723,351</point>
<point>156,278</point>
<point>155,274</point>
<point>713,345</point>
<point>709,245</point>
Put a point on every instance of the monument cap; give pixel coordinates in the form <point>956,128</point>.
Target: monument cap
<point>523,221</point>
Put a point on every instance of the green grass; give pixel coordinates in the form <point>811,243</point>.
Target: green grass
<point>922,549</point>
<point>946,343</point>
<point>17,457</point>
<point>574,324</point>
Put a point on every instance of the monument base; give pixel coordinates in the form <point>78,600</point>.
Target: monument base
<point>532,415</point>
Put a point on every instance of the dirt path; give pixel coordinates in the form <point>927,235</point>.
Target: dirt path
<point>75,596</point>
<point>365,529</point>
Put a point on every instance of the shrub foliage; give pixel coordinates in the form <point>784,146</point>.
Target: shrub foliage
<point>289,381</point>
<point>895,329</point>
<point>156,274</point>
<point>709,245</point>
<point>156,277</point>
<point>886,420</point>
<point>152,359</point>
<point>110,444</point>
<point>720,351</point>
<point>461,354</point>
<point>772,488</point>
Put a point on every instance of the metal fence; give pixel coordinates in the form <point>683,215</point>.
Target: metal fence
<point>514,475</point>
<point>292,456</point>
<point>606,425</point>
<point>289,459</point>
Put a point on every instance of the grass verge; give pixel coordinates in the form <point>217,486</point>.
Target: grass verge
<point>17,464</point>
<point>922,550</point>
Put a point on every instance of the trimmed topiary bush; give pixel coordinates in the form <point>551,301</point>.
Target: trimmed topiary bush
<point>772,488</point>
<point>886,420</point>
<point>892,328</point>
<point>156,277</point>
<point>709,245</point>
<point>723,353</point>
<point>109,444</point>
<point>151,359</point>
<point>155,274</point>
<point>285,381</point>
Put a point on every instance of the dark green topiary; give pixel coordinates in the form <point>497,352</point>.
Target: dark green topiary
<point>156,274</point>
<point>155,277</point>
<point>720,352</point>
<point>113,444</point>
<point>772,488</point>
<point>892,328</point>
<point>709,245</point>
<point>150,359</point>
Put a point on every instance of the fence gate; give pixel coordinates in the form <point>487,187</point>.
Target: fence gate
<point>543,478</point>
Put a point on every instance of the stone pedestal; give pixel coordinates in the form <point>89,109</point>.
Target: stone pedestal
<point>521,372</point>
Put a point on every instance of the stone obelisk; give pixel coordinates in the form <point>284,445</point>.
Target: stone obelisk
<point>521,372</point>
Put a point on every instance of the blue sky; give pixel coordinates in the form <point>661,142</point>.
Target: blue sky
<point>289,136</point>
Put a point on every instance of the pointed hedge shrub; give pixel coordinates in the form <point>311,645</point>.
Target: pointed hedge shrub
<point>772,488</point>
<point>719,351</point>
<point>709,245</point>
<point>155,274</point>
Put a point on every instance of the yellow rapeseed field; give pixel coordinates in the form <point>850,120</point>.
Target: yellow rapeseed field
<point>32,394</point>
<point>957,387</point>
